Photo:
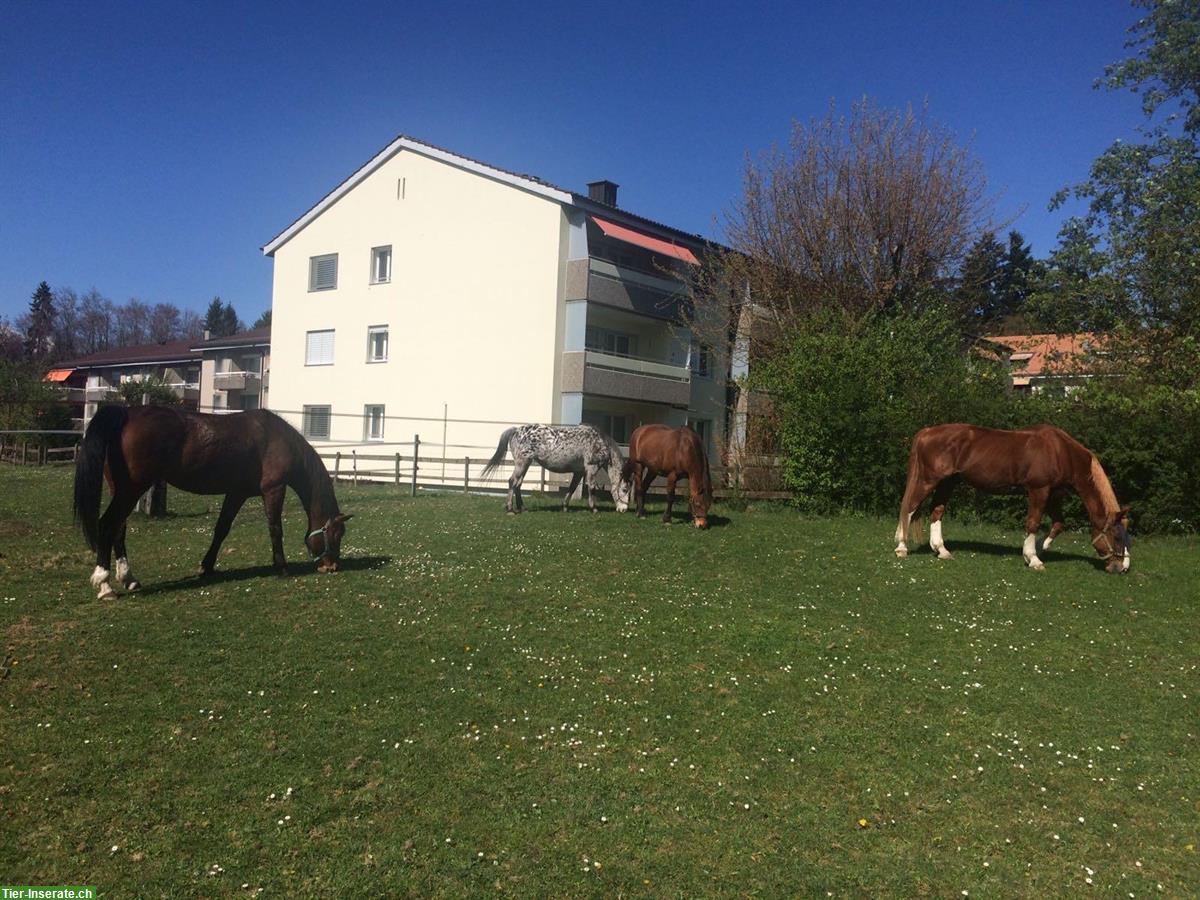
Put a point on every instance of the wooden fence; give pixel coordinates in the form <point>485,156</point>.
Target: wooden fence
<point>751,478</point>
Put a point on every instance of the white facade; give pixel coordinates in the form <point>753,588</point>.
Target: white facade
<point>443,290</point>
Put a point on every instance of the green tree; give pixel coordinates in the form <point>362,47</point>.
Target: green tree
<point>1144,198</point>
<point>263,321</point>
<point>153,391</point>
<point>40,323</point>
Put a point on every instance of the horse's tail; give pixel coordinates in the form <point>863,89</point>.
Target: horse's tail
<point>498,456</point>
<point>102,437</point>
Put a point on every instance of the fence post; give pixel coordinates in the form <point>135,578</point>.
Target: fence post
<point>416,461</point>
<point>543,478</point>
<point>337,464</point>
<point>397,470</point>
<point>24,450</point>
<point>354,462</point>
<point>467,475</point>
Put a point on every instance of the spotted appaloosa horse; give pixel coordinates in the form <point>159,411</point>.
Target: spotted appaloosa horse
<point>674,452</point>
<point>241,455</point>
<point>1043,461</point>
<point>579,449</point>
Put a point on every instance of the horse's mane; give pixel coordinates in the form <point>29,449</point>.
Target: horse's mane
<point>312,474</point>
<point>1104,487</point>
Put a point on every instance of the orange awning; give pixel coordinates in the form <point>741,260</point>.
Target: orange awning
<point>658,245</point>
<point>59,374</point>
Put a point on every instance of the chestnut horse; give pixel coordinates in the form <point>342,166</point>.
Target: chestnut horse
<point>1044,461</point>
<point>241,455</point>
<point>676,453</point>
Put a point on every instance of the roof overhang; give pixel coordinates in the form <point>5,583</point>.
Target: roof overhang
<point>59,374</point>
<point>646,241</point>
<point>405,143</point>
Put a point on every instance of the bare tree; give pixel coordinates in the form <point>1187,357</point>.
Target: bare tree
<point>856,214</point>
<point>164,323</point>
<point>95,323</point>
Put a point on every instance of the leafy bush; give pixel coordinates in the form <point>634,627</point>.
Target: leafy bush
<point>849,396</point>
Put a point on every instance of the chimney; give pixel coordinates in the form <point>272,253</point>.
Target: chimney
<point>207,335</point>
<point>603,192</point>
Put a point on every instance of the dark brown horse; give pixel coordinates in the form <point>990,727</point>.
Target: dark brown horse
<point>1043,461</point>
<point>242,455</point>
<point>676,453</point>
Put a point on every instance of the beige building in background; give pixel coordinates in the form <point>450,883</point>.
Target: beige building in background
<point>429,288</point>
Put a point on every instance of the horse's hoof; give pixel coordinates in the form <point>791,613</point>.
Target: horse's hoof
<point>1037,565</point>
<point>133,585</point>
<point>901,554</point>
<point>943,553</point>
<point>106,592</point>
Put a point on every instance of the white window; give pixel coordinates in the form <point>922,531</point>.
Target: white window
<point>373,422</point>
<point>318,350</point>
<point>701,360</point>
<point>322,272</point>
<point>316,422</point>
<point>381,265</point>
<point>606,340</point>
<point>377,343</point>
<point>252,364</point>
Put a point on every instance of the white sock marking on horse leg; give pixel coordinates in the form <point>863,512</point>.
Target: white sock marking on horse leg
<point>935,540</point>
<point>1125,562</point>
<point>99,576</point>
<point>1029,551</point>
<point>122,570</point>
<point>1047,542</point>
<point>901,550</point>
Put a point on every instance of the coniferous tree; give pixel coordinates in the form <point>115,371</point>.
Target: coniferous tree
<point>39,331</point>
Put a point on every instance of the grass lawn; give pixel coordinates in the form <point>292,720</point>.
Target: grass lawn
<point>574,705</point>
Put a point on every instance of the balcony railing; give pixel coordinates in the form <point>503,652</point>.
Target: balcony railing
<point>237,381</point>
<point>653,367</point>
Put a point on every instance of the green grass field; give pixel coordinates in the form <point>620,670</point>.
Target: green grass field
<point>577,705</point>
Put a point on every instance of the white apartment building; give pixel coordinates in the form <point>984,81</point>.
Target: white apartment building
<point>432,294</point>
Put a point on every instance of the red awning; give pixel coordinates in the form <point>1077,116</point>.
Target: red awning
<point>59,374</point>
<point>658,245</point>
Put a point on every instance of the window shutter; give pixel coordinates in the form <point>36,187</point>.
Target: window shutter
<point>319,349</point>
<point>322,272</point>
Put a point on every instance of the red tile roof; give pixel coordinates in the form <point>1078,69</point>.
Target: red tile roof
<point>1035,355</point>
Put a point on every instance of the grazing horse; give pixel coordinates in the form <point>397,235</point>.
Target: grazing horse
<point>243,455</point>
<point>578,449</point>
<point>676,453</point>
<point>1044,461</point>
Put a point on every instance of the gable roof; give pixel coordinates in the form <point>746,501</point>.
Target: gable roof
<point>403,142</point>
<point>530,183</point>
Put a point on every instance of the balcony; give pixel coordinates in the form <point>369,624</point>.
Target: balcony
<point>237,381</point>
<point>626,377</point>
<point>625,288</point>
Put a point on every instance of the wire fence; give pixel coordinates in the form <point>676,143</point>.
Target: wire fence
<point>418,466</point>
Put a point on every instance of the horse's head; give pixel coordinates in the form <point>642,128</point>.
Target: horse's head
<point>1112,541</point>
<point>325,544</point>
<point>700,502</point>
<point>622,488</point>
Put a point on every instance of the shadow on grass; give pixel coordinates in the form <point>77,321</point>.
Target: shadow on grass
<point>990,549</point>
<point>253,573</point>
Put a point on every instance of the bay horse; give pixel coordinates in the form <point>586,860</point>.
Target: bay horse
<point>579,449</point>
<point>673,452</point>
<point>1044,461</point>
<point>242,455</point>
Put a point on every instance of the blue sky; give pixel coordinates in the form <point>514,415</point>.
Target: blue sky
<point>150,150</point>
